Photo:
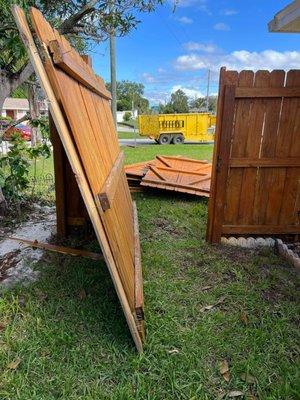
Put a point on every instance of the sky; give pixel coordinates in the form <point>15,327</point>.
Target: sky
<point>174,50</point>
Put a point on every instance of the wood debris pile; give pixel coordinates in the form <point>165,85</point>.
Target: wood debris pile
<point>178,174</point>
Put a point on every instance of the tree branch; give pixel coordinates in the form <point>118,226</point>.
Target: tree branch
<point>25,117</point>
<point>19,77</point>
<point>69,23</point>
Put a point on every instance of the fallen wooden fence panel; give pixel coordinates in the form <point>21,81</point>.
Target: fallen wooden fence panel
<point>79,104</point>
<point>256,164</point>
<point>173,173</point>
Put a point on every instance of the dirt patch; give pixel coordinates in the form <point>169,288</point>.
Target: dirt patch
<point>277,293</point>
<point>164,226</point>
<point>8,261</point>
<point>16,260</point>
<point>236,254</point>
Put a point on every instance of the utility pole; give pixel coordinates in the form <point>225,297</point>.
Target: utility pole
<point>113,76</point>
<point>207,90</point>
<point>134,130</point>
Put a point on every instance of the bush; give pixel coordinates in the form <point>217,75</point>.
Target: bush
<point>14,171</point>
<point>127,116</point>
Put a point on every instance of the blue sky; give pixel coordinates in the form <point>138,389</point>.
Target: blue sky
<point>170,50</point>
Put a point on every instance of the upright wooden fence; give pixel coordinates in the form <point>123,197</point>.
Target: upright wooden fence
<point>79,105</point>
<point>255,186</point>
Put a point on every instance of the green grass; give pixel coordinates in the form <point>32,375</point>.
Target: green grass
<point>131,123</point>
<point>42,186</point>
<point>148,152</point>
<point>128,135</point>
<point>78,347</point>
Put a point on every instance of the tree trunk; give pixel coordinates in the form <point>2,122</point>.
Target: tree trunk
<point>3,204</point>
<point>34,112</point>
<point>5,91</point>
<point>10,82</point>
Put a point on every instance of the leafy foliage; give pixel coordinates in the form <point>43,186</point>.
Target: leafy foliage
<point>177,104</point>
<point>130,92</point>
<point>83,21</point>
<point>200,103</point>
<point>180,103</point>
<point>127,116</point>
<point>21,92</point>
<point>43,124</point>
<point>14,170</point>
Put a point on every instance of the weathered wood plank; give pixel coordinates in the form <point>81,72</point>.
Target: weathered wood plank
<point>107,194</point>
<point>62,59</point>
<point>59,249</point>
<point>288,162</point>
<point>269,92</point>
<point>139,295</point>
<point>260,229</point>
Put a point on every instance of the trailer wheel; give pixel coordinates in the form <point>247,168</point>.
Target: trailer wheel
<point>178,139</point>
<point>164,139</point>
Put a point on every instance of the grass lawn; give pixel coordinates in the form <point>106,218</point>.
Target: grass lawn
<point>70,338</point>
<point>129,135</point>
<point>148,152</point>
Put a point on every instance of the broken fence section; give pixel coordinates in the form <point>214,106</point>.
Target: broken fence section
<point>79,105</point>
<point>171,173</point>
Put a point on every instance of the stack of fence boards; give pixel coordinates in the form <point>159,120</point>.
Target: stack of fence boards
<point>173,173</point>
<point>256,165</point>
<point>79,105</point>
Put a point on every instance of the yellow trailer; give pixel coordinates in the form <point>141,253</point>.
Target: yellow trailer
<point>176,128</point>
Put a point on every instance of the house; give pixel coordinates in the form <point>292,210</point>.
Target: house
<point>287,20</point>
<point>120,115</point>
<point>17,108</point>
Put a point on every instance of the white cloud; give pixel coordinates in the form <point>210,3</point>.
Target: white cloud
<point>185,20</point>
<point>157,96</point>
<point>239,60</point>
<point>190,92</point>
<point>220,26</point>
<point>148,78</point>
<point>190,62</point>
<point>198,46</point>
<point>229,12</point>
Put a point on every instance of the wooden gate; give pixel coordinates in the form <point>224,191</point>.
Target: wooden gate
<point>256,165</point>
<point>79,105</point>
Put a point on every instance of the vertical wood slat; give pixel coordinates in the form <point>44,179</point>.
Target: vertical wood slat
<point>71,212</point>
<point>251,150</point>
<point>59,174</point>
<point>221,162</point>
<point>239,140</point>
<point>288,209</point>
<point>268,148</point>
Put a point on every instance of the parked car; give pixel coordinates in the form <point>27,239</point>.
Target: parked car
<point>23,130</point>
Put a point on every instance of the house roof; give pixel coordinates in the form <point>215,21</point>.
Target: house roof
<point>287,20</point>
<point>20,104</point>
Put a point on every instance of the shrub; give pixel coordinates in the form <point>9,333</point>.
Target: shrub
<point>14,171</point>
<point>127,116</point>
